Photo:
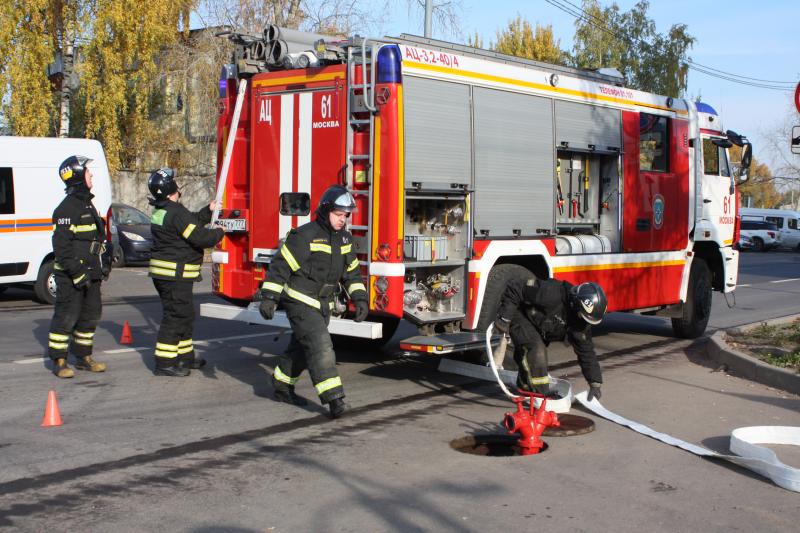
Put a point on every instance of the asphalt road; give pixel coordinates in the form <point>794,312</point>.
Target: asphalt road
<point>212,452</point>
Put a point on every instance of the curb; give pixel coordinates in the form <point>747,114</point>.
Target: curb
<point>748,367</point>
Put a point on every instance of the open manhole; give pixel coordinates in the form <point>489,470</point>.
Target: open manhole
<point>489,445</point>
<point>570,425</point>
<point>506,445</point>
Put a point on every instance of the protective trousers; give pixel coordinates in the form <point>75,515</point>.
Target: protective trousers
<point>174,340</point>
<point>76,313</point>
<point>310,347</point>
<point>530,354</point>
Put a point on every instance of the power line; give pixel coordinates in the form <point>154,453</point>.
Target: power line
<point>792,83</point>
<point>584,14</point>
<point>579,13</point>
<point>691,61</point>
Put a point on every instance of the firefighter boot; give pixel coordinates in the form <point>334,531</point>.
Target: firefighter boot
<point>87,363</point>
<point>170,368</point>
<point>192,362</point>
<point>285,393</point>
<point>61,369</point>
<point>337,407</point>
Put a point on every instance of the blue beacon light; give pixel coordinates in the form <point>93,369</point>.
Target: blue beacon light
<point>389,58</point>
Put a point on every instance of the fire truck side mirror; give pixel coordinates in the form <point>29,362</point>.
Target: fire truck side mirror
<point>724,143</point>
<point>795,141</point>
<point>295,204</point>
<point>747,158</point>
<point>747,155</point>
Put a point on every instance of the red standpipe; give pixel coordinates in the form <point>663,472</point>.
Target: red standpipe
<point>530,424</point>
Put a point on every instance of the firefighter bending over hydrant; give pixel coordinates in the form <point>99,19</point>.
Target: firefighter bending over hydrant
<point>180,238</point>
<point>304,277</point>
<point>537,312</point>
<point>82,260</point>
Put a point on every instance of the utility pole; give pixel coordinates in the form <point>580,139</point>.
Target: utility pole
<point>66,92</point>
<point>62,76</point>
<point>428,16</point>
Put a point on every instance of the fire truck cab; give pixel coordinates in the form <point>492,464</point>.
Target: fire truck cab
<point>469,168</point>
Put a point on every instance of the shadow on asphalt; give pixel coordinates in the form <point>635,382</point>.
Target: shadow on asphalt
<point>68,491</point>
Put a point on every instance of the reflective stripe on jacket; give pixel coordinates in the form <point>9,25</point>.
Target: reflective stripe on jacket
<point>310,264</point>
<point>180,238</point>
<point>76,226</point>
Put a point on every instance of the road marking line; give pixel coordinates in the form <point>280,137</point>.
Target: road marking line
<point>784,280</point>
<point>126,350</point>
<point>743,285</point>
<point>140,348</point>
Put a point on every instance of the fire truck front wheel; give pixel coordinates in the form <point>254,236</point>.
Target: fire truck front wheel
<point>697,309</point>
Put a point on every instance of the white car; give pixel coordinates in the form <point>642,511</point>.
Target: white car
<point>745,242</point>
<point>787,221</point>
<point>765,235</point>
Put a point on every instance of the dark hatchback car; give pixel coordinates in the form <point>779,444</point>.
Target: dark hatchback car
<point>130,233</point>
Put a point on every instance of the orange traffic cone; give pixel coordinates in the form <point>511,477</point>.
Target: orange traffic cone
<point>126,337</point>
<point>52,417</point>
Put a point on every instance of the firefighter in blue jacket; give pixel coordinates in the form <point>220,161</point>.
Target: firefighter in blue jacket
<point>304,277</point>
<point>82,261</point>
<point>180,238</point>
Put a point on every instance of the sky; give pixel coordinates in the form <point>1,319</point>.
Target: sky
<point>753,39</point>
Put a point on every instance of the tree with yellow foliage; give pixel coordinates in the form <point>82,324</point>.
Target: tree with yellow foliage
<point>759,190</point>
<point>522,40</point>
<point>118,41</point>
<point>27,45</point>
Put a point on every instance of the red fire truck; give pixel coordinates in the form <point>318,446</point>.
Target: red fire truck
<point>470,167</point>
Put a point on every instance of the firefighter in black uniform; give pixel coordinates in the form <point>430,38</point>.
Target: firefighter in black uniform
<point>537,312</point>
<point>304,276</point>
<point>82,260</point>
<point>180,238</point>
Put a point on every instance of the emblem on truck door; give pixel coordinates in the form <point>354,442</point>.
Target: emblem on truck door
<point>658,211</point>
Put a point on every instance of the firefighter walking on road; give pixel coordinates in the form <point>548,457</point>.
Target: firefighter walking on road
<point>180,238</point>
<point>537,312</point>
<point>304,277</point>
<point>82,261</point>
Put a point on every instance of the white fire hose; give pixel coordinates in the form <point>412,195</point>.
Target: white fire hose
<point>561,386</point>
<point>745,441</point>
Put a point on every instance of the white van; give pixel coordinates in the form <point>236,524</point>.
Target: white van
<point>30,190</point>
<point>788,223</point>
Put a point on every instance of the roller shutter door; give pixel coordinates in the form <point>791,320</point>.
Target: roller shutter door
<point>582,124</point>
<point>437,133</point>
<point>514,162</point>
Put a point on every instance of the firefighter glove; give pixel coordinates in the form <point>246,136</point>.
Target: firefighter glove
<point>107,258</point>
<point>502,325</point>
<point>594,391</point>
<point>361,310</point>
<point>267,308</point>
<point>84,283</point>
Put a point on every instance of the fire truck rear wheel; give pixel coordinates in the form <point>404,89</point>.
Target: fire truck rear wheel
<point>697,308</point>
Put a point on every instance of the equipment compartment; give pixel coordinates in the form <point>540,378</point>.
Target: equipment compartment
<point>436,228</point>
<point>434,294</point>
<point>420,248</point>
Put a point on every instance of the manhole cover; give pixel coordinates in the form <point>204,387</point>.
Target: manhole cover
<point>570,425</point>
<point>489,445</point>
